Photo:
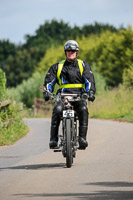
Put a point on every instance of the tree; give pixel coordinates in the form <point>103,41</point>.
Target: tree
<point>19,62</point>
<point>6,48</point>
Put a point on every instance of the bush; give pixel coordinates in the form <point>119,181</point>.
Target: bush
<point>28,90</point>
<point>128,77</point>
<point>112,53</point>
<point>2,84</point>
<point>9,133</point>
<point>99,80</point>
<point>11,125</point>
<point>52,56</point>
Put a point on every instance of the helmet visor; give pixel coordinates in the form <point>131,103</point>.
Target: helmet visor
<point>71,47</point>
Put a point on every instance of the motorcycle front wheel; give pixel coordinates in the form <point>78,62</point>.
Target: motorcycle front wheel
<point>69,158</point>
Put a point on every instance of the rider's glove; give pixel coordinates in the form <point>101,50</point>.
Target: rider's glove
<point>91,96</point>
<point>46,96</point>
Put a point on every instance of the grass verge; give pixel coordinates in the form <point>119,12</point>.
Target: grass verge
<point>11,133</point>
<point>15,129</point>
<point>116,104</point>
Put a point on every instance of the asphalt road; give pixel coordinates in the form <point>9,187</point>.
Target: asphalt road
<point>104,171</point>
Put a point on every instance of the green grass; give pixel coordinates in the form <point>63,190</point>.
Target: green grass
<point>116,104</point>
<point>15,129</point>
<point>11,133</point>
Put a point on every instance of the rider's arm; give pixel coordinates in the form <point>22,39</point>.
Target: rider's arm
<point>51,78</point>
<point>88,78</point>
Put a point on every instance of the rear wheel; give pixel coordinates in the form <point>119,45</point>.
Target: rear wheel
<point>69,158</point>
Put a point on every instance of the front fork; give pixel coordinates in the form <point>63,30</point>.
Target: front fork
<point>74,137</point>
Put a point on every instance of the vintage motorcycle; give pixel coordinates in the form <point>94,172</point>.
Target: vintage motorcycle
<point>68,138</point>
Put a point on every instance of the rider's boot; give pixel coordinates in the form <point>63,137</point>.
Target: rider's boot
<point>53,137</point>
<point>82,137</point>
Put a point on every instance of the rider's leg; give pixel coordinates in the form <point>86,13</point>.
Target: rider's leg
<point>55,125</point>
<point>82,111</point>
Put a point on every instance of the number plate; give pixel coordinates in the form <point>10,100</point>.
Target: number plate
<point>68,113</point>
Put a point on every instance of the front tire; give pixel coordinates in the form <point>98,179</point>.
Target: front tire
<point>69,158</point>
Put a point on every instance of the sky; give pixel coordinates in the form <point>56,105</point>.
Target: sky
<point>21,17</point>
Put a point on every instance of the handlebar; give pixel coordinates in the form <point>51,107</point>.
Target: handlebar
<point>74,97</point>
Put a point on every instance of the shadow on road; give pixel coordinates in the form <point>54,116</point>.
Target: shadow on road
<point>112,184</point>
<point>122,194</point>
<point>36,166</point>
<point>100,195</point>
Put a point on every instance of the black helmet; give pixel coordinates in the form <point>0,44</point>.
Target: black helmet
<point>71,45</point>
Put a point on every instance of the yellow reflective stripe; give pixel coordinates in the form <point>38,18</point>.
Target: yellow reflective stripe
<point>71,86</point>
<point>80,66</point>
<point>59,70</point>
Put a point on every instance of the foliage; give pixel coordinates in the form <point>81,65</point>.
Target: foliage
<point>53,55</point>
<point>112,54</point>
<point>128,77</point>
<point>11,124</point>
<point>29,89</point>
<point>20,66</point>
<point>2,84</point>
<point>19,62</point>
<point>97,28</point>
<point>6,49</point>
<point>99,81</point>
<point>16,129</point>
<point>114,104</point>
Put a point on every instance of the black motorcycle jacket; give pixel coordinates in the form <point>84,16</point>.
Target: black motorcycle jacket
<point>70,74</point>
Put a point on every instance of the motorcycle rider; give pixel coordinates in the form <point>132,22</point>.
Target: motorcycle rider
<point>70,74</point>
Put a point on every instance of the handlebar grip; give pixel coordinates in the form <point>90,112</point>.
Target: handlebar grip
<point>84,96</point>
<point>42,89</point>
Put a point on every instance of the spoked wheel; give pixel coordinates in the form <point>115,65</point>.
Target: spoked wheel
<point>69,157</point>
